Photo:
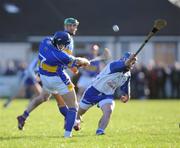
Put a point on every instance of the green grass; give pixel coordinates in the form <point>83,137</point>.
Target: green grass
<point>135,124</point>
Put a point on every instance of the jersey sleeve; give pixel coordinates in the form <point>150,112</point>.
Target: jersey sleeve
<point>63,57</point>
<point>125,88</point>
<point>32,67</point>
<point>117,66</point>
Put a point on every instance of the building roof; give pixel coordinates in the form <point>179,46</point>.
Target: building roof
<point>43,17</point>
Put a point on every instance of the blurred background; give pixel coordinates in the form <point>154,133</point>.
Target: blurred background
<point>23,24</point>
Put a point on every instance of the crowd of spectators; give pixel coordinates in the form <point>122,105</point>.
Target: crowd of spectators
<point>148,81</point>
<point>156,81</point>
<point>11,67</point>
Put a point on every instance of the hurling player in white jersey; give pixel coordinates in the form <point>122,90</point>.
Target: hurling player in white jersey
<point>27,78</point>
<point>101,91</point>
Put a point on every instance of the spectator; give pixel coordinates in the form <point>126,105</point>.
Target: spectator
<point>175,80</point>
<point>11,68</point>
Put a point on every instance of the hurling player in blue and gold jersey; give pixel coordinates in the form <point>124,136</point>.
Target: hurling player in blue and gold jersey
<point>52,61</point>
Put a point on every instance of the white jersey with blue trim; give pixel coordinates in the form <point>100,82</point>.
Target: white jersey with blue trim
<point>32,68</point>
<point>114,75</point>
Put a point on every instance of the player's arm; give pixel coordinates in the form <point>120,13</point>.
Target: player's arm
<point>91,67</point>
<point>69,60</point>
<point>130,61</point>
<point>121,65</point>
<point>80,62</point>
<point>69,50</point>
<point>117,66</point>
<point>125,88</point>
<point>31,68</point>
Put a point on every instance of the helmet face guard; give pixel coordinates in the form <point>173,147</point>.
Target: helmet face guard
<point>61,42</point>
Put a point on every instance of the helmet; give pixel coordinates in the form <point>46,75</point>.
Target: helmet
<point>126,56</point>
<point>69,21</point>
<point>61,38</point>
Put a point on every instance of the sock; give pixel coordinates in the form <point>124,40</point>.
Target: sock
<point>70,119</point>
<point>63,110</point>
<point>25,114</point>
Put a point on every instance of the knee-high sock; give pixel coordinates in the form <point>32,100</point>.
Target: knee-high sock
<point>63,110</point>
<point>70,119</point>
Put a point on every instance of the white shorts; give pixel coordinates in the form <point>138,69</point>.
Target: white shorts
<point>55,85</point>
<point>86,105</point>
<point>85,81</point>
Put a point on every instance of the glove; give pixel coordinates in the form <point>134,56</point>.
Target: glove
<point>131,61</point>
<point>82,62</point>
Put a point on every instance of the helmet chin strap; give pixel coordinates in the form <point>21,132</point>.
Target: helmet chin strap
<point>60,48</point>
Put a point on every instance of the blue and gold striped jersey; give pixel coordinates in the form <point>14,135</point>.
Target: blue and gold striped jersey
<point>51,60</point>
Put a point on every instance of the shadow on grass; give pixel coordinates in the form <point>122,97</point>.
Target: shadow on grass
<point>35,137</point>
<point>27,137</point>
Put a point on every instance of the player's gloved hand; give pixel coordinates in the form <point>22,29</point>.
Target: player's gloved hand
<point>131,61</point>
<point>124,98</point>
<point>82,62</point>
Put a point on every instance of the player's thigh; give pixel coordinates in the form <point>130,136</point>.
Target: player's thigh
<point>84,105</point>
<point>59,100</point>
<point>70,99</point>
<point>44,96</point>
<point>37,88</point>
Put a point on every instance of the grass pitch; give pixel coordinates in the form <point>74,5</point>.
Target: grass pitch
<point>135,124</point>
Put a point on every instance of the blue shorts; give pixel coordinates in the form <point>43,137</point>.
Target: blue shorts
<point>30,81</point>
<point>27,80</point>
<point>92,96</point>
